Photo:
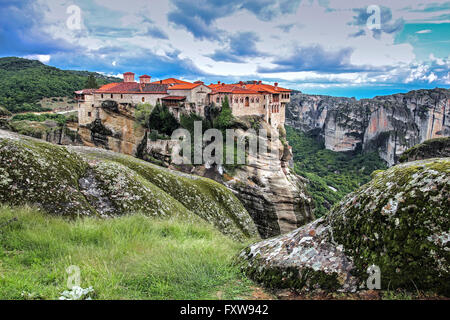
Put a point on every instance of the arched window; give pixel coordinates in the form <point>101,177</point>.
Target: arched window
<point>143,99</point>
<point>242,100</point>
<point>121,96</point>
<point>253,100</point>
<point>236,100</point>
<point>247,101</point>
<point>257,100</point>
<point>102,95</point>
<point>217,100</point>
<point>112,96</point>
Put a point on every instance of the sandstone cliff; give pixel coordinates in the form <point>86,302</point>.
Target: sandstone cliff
<point>273,195</point>
<point>388,124</point>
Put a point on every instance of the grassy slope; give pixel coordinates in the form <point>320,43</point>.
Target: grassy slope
<point>325,168</point>
<point>131,257</point>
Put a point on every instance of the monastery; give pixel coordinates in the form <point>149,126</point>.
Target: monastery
<point>179,96</point>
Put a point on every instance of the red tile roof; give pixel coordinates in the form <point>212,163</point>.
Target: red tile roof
<point>170,81</point>
<point>255,87</point>
<point>231,88</point>
<point>184,86</point>
<point>133,87</point>
<point>145,76</point>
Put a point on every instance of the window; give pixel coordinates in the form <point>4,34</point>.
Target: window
<point>242,100</point>
<point>89,114</point>
<point>102,95</point>
<point>257,100</point>
<point>253,100</point>
<point>121,96</point>
<point>247,103</point>
<point>143,99</point>
<point>112,96</point>
<point>217,100</point>
<point>236,100</point>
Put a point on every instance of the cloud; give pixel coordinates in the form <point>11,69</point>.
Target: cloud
<point>362,17</point>
<point>199,16</point>
<point>21,32</point>
<point>241,45</point>
<point>424,31</point>
<point>316,58</point>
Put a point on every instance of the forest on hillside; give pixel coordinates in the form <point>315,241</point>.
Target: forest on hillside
<point>23,83</point>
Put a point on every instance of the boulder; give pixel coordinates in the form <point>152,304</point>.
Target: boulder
<point>83,181</point>
<point>398,222</point>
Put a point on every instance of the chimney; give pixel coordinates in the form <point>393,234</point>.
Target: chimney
<point>218,82</point>
<point>144,79</point>
<point>254,81</point>
<point>128,77</point>
<point>276,84</point>
<point>241,83</point>
<point>259,82</point>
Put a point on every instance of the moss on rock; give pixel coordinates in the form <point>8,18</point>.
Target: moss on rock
<point>75,181</point>
<point>399,221</point>
<point>433,148</point>
<point>394,222</point>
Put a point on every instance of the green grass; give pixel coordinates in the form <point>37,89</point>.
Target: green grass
<point>132,257</point>
<point>324,168</point>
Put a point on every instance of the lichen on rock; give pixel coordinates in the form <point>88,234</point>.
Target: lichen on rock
<point>399,222</point>
<point>77,181</point>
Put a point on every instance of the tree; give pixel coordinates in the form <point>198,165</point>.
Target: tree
<point>225,119</point>
<point>91,82</point>
<point>162,119</point>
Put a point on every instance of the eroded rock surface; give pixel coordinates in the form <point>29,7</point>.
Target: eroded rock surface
<point>387,124</point>
<point>399,221</point>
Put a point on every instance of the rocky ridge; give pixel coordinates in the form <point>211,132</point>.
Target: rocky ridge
<point>388,124</point>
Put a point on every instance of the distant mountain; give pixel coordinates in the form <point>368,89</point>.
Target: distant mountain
<point>23,83</point>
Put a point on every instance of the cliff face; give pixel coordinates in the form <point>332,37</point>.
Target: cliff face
<point>387,124</point>
<point>115,129</point>
<point>274,196</point>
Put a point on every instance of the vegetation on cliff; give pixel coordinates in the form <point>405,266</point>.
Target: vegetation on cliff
<point>24,82</point>
<point>331,174</point>
<point>130,257</point>
<point>433,148</point>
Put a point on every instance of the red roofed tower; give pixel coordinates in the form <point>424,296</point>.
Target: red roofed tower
<point>128,77</point>
<point>144,79</point>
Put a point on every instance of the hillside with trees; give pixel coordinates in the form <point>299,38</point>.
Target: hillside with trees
<point>23,83</point>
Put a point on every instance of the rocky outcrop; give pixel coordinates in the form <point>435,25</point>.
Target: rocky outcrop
<point>114,129</point>
<point>399,222</point>
<point>275,197</point>
<point>387,124</point>
<point>49,131</point>
<point>434,148</point>
<point>81,181</point>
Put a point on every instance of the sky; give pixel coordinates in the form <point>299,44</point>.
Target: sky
<point>344,48</point>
